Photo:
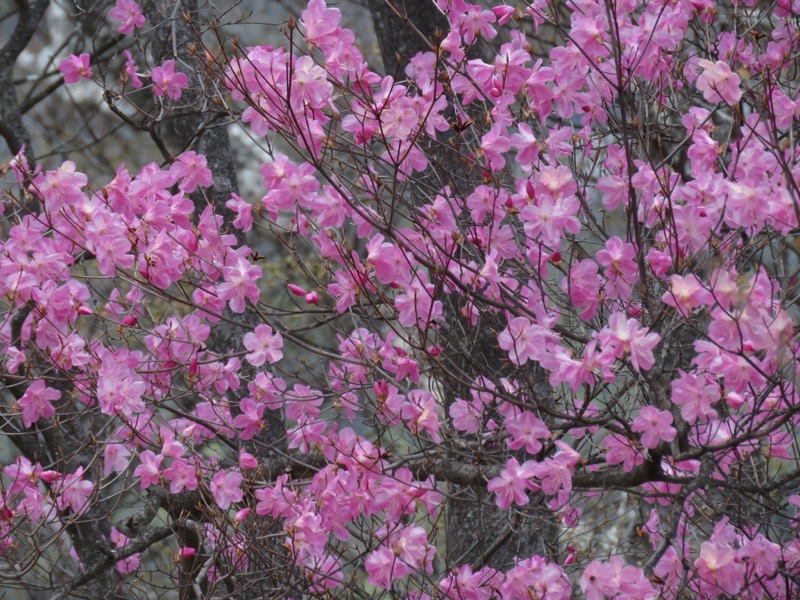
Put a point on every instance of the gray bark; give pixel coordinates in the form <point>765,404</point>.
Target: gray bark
<point>62,442</point>
<point>478,532</point>
<point>199,124</point>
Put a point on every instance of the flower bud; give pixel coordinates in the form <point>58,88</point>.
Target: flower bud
<point>296,289</point>
<point>247,460</point>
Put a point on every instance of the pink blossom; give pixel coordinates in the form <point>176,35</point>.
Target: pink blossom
<point>64,186</point>
<point>526,429</point>
<point>718,83</point>
<point>24,474</point>
<point>129,14</point>
<point>655,426</point>
<point>718,569</point>
<point>116,458</point>
<point>383,568</point>
<point>309,86</point>
<point>503,13</point>
<point>389,263</point>
<point>761,554</point>
<point>473,22</point>
<point>695,394</point>
<point>321,24</point>
<point>247,461</point>
<point>73,491</point>
<point>622,272</point>
<point>513,484</point>
<point>243,210</point>
<point>583,286</point>
<point>494,144</point>
<point>264,345</point>
<point>251,421</point>
<point>421,412</point>
<point>226,487</point>
<point>149,469</point>
<point>524,340</point>
<point>36,403</point>
<point>599,580</point>
<point>302,402</point>
<point>550,218</point>
<point>416,306</point>
<point>130,70</point>
<point>627,336</point>
<point>240,282</point>
<point>556,472</point>
<point>162,262</point>
<point>192,171</point>
<point>619,449</point>
<point>686,294</point>
<point>344,290</point>
<point>75,68</point>
<point>465,416</point>
<point>128,565</point>
<point>168,81</point>
<point>181,475</point>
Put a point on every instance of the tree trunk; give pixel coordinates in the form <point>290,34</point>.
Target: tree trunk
<point>198,127</point>
<point>478,532</point>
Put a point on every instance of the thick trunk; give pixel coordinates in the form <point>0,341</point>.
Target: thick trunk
<point>197,126</point>
<point>63,447</point>
<point>478,532</point>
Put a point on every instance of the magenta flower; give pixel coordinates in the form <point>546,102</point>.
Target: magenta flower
<point>380,566</point>
<point>250,421</point>
<point>73,491</point>
<point>599,580</point>
<point>116,459</point>
<point>513,483</point>
<point>192,171</point>
<point>226,487</point>
<point>168,81</point>
<point>181,476</point>
<point>150,469</point>
<point>36,404</point>
<point>526,429</point>
<point>129,14</point>
<point>421,413</point>
<point>619,449</point>
<point>243,210</point>
<point>686,294</point>
<point>655,426</point>
<point>240,283</point>
<point>264,345</point>
<point>75,68</point>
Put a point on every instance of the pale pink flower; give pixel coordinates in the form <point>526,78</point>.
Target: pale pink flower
<point>719,83</point>
<point>719,570</point>
<point>627,336</point>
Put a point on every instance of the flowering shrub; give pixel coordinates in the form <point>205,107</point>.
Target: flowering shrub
<point>548,277</point>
